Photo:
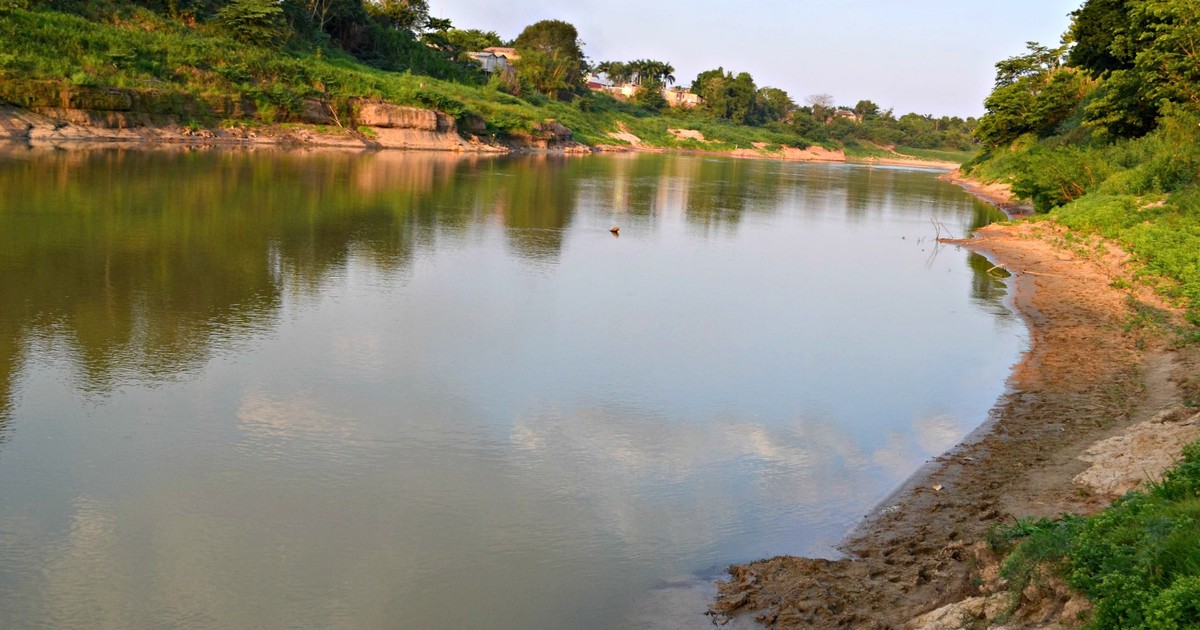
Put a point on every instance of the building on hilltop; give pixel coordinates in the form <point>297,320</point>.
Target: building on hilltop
<point>675,96</point>
<point>682,97</point>
<point>495,58</point>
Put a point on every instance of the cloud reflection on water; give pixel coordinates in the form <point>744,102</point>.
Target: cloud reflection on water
<point>618,460</point>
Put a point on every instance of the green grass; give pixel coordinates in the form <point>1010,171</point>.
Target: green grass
<point>958,157</point>
<point>1137,561</point>
<point>860,149</point>
<point>144,51</point>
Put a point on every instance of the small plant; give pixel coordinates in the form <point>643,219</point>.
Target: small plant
<point>8,6</point>
<point>1137,561</point>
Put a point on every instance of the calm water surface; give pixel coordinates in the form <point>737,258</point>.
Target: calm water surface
<point>279,390</point>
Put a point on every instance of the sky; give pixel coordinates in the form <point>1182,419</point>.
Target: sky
<point>926,56</point>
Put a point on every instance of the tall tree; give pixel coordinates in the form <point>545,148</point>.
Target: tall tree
<point>644,70</point>
<point>866,110</point>
<point>404,15</point>
<point>1099,31</point>
<point>552,58</point>
<point>1034,93</point>
<point>727,96</point>
<point>616,71</point>
<point>822,106</point>
<point>470,40</point>
<point>773,105</point>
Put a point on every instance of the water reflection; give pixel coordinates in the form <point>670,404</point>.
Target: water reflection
<point>361,388</point>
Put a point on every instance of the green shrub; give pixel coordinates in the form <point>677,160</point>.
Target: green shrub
<point>1176,607</point>
<point>258,22</point>
<point>8,6</point>
<point>1138,561</point>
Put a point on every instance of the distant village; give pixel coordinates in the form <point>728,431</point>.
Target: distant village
<point>500,59</point>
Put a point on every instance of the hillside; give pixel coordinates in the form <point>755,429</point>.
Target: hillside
<point>129,67</point>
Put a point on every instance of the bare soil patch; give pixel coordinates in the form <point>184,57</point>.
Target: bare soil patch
<point>687,134</point>
<point>1088,376</point>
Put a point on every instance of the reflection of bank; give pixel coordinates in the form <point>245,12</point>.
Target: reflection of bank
<point>10,368</point>
<point>140,262</point>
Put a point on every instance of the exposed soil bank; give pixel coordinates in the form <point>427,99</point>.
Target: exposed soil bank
<point>1086,377</point>
<point>56,113</point>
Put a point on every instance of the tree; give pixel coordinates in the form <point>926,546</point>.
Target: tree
<point>403,15</point>
<point>470,40</point>
<point>616,71</point>
<point>774,105</point>
<point>726,96</point>
<point>866,110</point>
<point>822,106</point>
<point>650,95</point>
<point>1168,60</point>
<point>254,21</point>
<point>552,58</point>
<point>1096,29</point>
<point>643,70</point>
<point>1034,93</point>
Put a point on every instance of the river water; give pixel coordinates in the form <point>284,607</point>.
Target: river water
<point>314,390</point>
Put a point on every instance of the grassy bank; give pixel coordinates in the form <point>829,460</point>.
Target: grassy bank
<point>146,51</point>
<point>128,47</point>
<point>1142,193</point>
<point>1138,561</point>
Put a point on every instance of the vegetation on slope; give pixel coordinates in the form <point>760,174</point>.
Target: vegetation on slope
<point>1103,133</point>
<point>1138,561</point>
<point>277,55</point>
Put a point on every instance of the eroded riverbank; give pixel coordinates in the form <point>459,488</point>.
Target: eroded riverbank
<point>69,122</point>
<point>1088,376</point>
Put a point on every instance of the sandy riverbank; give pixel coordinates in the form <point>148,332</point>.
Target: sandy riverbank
<point>1086,378</point>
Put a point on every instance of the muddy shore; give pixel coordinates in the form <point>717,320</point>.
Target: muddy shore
<point>1088,376</point>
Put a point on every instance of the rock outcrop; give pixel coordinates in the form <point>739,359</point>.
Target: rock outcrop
<point>54,112</point>
<point>399,127</point>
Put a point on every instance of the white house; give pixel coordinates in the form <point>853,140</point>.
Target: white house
<point>495,58</point>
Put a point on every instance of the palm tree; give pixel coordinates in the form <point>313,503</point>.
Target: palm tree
<point>649,69</point>
<point>616,71</point>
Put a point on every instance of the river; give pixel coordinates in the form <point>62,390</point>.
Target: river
<point>313,390</point>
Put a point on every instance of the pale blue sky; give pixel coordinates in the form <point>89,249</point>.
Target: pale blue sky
<point>929,56</point>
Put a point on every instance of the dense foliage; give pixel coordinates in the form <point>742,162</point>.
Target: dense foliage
<point>1104,132</point>
<point>552,59</point>
<point>277,53</point>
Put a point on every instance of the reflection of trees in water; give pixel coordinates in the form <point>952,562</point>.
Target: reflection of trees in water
<point>537,200</point>
<point>11,358</point>
<point>987,281</point>
<point>141,261</point>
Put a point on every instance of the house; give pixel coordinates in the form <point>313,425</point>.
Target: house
<point>495,58</point>
<point>596,83</point>
<point>681,97</point>
<point>845,114</point>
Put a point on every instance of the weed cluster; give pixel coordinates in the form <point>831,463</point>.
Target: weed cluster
<point>1138,561</point>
